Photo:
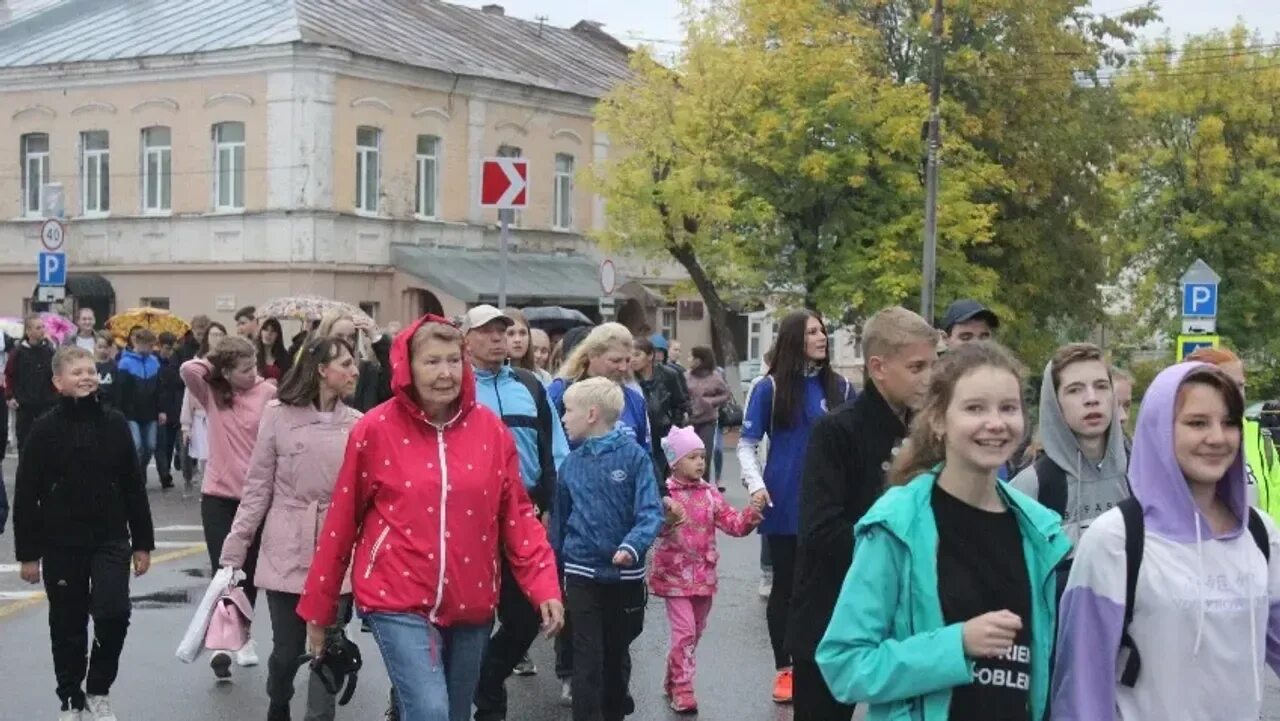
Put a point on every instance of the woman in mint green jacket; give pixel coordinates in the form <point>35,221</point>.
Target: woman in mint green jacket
<point>948,611</point>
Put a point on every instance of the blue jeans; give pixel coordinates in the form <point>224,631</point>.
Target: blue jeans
<point>144,442</point>
<point>433,670</point>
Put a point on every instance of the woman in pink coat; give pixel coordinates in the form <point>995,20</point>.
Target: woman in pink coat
<point>685,557</point>
<point>295,465</point>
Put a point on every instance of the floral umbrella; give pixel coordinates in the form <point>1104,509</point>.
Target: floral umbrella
<point>57,327</point>
<point>157,320</point>
<point>308,307</point>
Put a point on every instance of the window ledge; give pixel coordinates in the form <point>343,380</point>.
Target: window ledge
<point>157,213</point>
<point>370,214</point>
<point>32,219</point>
<point>565,231</point>
<point>94,216</point>
<point>428,218</point>
<point>224,211</point>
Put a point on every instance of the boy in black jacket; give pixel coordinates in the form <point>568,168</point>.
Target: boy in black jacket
<point>80,516</point>
<point>844,473</point>
<point>168,421</point>
<point>28,378</point>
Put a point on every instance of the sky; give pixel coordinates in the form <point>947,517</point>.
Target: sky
<point>658,20</point>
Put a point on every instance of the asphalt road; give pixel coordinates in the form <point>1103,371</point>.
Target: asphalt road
<point>734,680</point>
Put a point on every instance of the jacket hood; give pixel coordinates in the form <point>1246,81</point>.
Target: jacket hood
<point>609,441</point>
<point>1063,449</point>
<point>402,373</point>
<point>1158,481</point>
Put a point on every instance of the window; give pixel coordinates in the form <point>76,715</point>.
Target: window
<point>509,151</point>
<point>228,170</point>
<point>95,172</point>
<point>754,337</point>
<point>667,322</point>
<point>155,302</point>
<point>35,172</point>
<point>367,169</point>
<point>428,176</point>
<point>157,170</point>
<point>562,208</point>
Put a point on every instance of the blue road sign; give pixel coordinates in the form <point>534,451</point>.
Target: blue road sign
<point>1200,300</point>
<point>52,268</point>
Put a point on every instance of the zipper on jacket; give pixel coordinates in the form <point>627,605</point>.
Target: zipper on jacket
<point>444,504</point>
<point>373,554</point>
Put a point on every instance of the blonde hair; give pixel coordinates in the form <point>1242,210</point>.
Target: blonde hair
<point>890,330</point>
<point>599,393</point>
<point>68,354</point>
<point>599,341</point>
<point>430,331</point>
<point>363,344</point>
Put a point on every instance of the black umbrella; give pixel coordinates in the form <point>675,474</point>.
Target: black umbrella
<point>555,318</point>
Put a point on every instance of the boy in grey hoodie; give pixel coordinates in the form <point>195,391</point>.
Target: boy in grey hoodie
<point>1083,471</point>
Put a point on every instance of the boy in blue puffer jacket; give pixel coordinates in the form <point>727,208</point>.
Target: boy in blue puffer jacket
<point>607,514</point>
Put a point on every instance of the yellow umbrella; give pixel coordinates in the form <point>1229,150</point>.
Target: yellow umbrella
<point>157,320</point>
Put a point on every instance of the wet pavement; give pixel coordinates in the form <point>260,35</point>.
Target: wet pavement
<point>734,659</point>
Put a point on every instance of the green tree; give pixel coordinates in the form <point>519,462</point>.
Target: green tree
<point>1200,178</point>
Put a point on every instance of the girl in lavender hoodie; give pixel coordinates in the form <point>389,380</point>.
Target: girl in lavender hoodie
<point>1206,613</point>
<point>228,387</point>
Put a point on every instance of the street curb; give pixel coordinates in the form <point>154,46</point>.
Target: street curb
<point>18,606</point>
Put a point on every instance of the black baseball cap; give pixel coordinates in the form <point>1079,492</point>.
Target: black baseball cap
<point>965,310</point>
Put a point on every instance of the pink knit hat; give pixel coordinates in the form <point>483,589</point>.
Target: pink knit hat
<point>680,442</point>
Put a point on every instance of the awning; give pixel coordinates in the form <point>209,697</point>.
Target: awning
<point>642,294</point>
<point>471,276</point>
<point>87,285</point>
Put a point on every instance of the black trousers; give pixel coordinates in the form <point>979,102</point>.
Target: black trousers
<point>782,551</point>
<point>519,623</point>
<point>168,438</point>
<point>812,700</point>
<point>4,431</point>
<point>82,583</point>
<point>288,642</point>
<point>25,418</point>
<point>707,433</point>
<point>217,514</point>
<point>607,617</point>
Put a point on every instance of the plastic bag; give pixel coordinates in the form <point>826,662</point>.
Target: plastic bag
<point>193,640</point>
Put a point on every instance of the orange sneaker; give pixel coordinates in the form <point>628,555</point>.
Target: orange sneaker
<point>782,687</point>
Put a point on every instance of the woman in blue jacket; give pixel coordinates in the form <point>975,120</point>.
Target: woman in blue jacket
<point>948,611</point>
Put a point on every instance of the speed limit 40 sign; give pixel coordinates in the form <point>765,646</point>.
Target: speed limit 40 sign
<point>53,234</point>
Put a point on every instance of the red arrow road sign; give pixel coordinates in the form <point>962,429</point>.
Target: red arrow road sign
<point>504,183</point>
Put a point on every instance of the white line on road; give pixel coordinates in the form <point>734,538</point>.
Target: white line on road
<point>178,529</point>
<point>20,595</point>
<point>179,544</point>
<point>10,567</point>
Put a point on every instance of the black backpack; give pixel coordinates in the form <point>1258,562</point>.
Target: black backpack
<point>1134,539</point>
<point>546,460</point>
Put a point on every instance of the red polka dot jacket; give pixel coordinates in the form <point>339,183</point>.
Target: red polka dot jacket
<point>424,513</point>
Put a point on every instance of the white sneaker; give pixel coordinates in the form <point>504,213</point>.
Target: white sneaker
<point>566,694</point>
<point>97,708</point>
<point>221,665</point>
<point>247,655</point>
<point>766,586</point>
<point>71,715</point>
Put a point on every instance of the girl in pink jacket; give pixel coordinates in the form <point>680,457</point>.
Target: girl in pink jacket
<point>300,449</point>
<point>685,556</point>
<point>228,387</point>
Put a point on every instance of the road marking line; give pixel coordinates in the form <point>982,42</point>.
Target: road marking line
<point>38,598</point>
<point>20,595</point>
<point>10,567</point>
<point>179,544</point>
<point>178,529</point>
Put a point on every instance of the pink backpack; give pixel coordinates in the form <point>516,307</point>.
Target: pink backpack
<point>229,624</point>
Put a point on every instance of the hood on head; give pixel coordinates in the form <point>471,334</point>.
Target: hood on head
<point>402,372</point>
<point>1063,449</point>
<point>1155,476</point>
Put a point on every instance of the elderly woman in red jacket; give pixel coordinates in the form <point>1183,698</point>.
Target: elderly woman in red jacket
<point>428,497</point>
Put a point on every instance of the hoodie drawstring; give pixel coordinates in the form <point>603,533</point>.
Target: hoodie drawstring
<point>1195,519</point>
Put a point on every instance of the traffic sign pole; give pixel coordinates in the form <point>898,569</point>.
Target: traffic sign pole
<point>502,260</point>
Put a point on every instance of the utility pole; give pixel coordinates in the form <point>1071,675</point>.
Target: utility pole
<point>931,171</point>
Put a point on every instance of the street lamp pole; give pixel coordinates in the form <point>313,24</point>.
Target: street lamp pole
<point>931,171</point>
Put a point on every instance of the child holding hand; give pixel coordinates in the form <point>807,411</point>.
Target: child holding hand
<point>684,557</point>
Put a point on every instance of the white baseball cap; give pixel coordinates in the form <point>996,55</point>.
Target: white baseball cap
<point>483,315</point>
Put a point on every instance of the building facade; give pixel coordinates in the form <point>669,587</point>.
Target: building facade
<point>214,155</point>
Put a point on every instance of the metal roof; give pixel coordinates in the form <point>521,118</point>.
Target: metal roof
<point>470,275</point>
<point>424,33</point>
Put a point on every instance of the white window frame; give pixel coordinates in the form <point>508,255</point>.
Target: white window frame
<point>34,164</point>
<point>236,174</point>
<point>427,164</point>
<point>667,322</point>
<point>92,162</point>
<point>562,192</point>
<point>367,200</point>
<point>162,156</point>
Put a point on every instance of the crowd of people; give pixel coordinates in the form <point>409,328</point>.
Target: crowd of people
<point>924,550</point>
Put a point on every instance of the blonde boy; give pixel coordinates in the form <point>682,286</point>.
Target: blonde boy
<point>607,514</point>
